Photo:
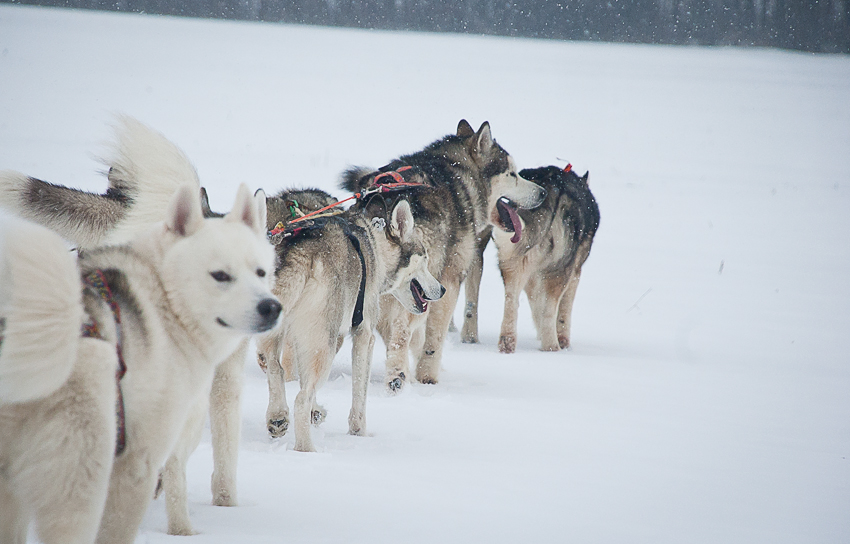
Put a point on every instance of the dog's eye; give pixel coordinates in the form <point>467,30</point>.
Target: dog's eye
<point>261,272</point>
<point>221,276</point>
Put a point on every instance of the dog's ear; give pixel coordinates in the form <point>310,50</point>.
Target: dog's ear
<point>585,176</point>
<point>185,216</point>
<point>245,210</point>
<point>464,129</point>
<point>483,139</point>
<point>260,202</point>
<point>402,221</point>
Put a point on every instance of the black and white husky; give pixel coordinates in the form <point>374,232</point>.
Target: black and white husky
<point>475,185</point>
<point>553,243</point>
<point>329,278</point>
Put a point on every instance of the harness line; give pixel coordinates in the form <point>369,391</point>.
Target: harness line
<point>97,281</point>
<point>278,232</point>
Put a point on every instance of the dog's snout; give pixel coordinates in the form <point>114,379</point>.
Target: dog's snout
<point>269,309</point>
<point>440,295</point>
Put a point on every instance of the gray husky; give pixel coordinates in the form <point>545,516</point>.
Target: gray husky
<point>474,181</point>
<point>554,241</point>
<point>95,390</point>
<point>331,271</point>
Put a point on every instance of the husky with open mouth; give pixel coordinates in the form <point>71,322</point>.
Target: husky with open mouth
<point>541,251</point>
<point>331,271</point>
<point>475,186</point>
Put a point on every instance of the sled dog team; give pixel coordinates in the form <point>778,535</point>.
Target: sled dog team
<point>112,355</point>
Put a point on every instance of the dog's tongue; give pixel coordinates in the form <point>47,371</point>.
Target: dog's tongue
<point>505,208</point>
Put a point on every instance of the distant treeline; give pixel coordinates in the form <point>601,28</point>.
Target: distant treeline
<point>813,25</point>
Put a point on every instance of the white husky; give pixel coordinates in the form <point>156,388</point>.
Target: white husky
<point>173,303</point>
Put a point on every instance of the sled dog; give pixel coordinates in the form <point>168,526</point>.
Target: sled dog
<point>475,185</point>
<point>145,170</point>
<point>555,241</point>
<point>283,207</point>
<point>81,450</point>
<point>329,277</point>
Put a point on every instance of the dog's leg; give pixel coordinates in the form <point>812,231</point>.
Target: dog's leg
<point>225,425</point>
<point>544,306</point>
<point>319,411</point>
<point>174,473</point>
<point>565,309</point>
<point>312,363</point>
<point>514,281</point>
<point>75,451</point>
<point>394,327</point>
<point>287,361</point>
<point>363,340</point>
<point>131,488</point>
<point>436,328</point>
<point>277,414</point>
<point>13,519</point>
<point>469,333</point>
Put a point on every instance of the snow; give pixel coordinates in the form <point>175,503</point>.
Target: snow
<point>706,395</point>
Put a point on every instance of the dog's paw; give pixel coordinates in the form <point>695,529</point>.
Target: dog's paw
<point>426,378</point>
<point>305,446</point>
<point>318,415</point>
<point>396,384</point>
<point>223,498</point>
<point>357,426</point>
<point>468,336</point>
<point>550,347</point>
<point>278,427</point>
<point>507,344</point>
<point>181,530</point>
<point>564,342</point>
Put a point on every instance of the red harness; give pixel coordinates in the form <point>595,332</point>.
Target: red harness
<point>375,186</point>
<point>97,281</point>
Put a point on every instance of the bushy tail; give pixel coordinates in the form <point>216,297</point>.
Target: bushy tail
<point>352,180</point>
<point>81,217</point>
<point>149,169</point>
<point>41,310</point>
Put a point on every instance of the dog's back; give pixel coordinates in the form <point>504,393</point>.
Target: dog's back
<point>565,224</point>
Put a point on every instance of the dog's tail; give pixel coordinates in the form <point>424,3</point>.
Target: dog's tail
<point>41,310</point>
<point>353,179</point>
<point>82,218</point>
<point>148,169</point>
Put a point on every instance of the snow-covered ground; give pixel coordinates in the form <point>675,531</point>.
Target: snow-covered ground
<point>707,395</point>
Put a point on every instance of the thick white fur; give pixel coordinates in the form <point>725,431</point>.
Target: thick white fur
<point>130,160</point>
<point>57,409</point>
<point>56,455</point>
<point>41,305</point>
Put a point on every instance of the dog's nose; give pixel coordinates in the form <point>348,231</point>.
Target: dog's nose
<point>442,292</point>
<point>269,309</point>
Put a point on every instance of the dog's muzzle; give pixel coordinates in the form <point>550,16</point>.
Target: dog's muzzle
<point>269,310</point>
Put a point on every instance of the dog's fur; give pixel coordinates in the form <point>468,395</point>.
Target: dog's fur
<point>547,261</point>
<point>318,280</point>
<point>92,220</point>
<point>144,170</point>
<point>189,291</point>
<point>469,172</point>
